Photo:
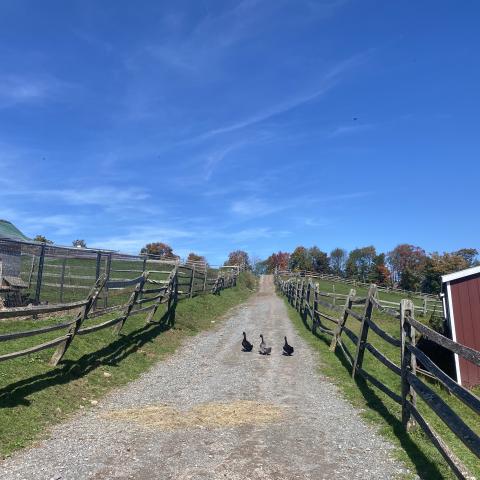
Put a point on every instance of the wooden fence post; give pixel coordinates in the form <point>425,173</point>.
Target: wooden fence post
<point>170,294</point>
<point>131,302</point>
<point>408,362</point>
<point>97,266</point>
<point>205,279</point>
<point>62,278</point>
<point>315,319</point>
<point>172,297</point>
<point>342,319</point>
<point>294,292</point>
<point>108,268</point>
<point>192,281</point>
<point>81,316</point>
<point>362,337</point>
<point>302,296</point>
<point>334,295</point>
<point>305,307</point>
<point>38,286</point>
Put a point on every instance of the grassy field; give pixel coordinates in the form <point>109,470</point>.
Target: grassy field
<point>414,449</point>
<point>390,296</point>
<point>34,396</point>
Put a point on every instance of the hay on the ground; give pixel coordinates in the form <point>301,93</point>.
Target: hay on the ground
<point>208,415</point>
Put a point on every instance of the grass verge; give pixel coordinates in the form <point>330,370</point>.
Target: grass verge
<point>414,448</point>
<point>34,395</point>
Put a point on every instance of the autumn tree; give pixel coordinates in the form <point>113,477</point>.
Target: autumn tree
<point>360,262</point>
<point>41,238</point>
<point>437,265</point>
<point>469,255</point>
<point>239,258</point>
<point>79,244</point>
<point>379,273</point>
<point>338,259</point>
<point>193,257</point>
<point>319,260</point>
<point>277,261</point>
<point>409,261</point>
<point>159,249</point>
<point>300,259</point>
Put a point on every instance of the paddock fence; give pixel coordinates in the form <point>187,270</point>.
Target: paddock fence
<point>425,303</point>
<point>122,286</point>
<point>330,319</point>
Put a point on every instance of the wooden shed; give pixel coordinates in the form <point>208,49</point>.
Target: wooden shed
<point>462,306</point>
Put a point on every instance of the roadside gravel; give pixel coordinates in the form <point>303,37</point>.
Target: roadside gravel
<point>317,436</point>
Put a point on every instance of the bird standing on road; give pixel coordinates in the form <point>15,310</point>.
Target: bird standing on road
<point>287,349</point>
<point>264,350</point>
<point>247,346</point>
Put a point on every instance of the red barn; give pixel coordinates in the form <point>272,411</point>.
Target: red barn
<point>462,306</point>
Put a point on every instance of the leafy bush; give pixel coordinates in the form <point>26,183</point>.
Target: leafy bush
<point>247,279</point>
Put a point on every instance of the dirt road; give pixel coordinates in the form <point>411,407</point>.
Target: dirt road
<point>213,412</point>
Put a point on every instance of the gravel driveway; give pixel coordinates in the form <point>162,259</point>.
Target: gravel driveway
<point>211,411</point>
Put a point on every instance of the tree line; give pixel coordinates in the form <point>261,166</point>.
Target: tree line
<point>406,266</point>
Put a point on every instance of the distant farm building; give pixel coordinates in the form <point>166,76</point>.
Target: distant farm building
<point>462,306</point>
<point>11,258</point>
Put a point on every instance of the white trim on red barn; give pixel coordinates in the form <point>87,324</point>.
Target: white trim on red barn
<point>461,274</point>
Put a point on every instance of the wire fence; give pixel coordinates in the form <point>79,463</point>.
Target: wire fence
<point>33,273</point>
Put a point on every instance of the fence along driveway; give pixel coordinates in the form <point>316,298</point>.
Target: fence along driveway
<point>142,294</point>
<point>305,296</point>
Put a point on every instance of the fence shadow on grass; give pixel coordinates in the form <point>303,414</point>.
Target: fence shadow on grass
<point>425,468</point>
<point>17,393</point>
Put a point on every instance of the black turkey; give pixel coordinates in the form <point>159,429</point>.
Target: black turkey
<point>287,349</point>
<point>247,346</point>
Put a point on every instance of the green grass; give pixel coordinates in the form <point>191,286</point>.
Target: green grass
<point>34,395</point>
<point>390,296</point>
<point>414,449</point>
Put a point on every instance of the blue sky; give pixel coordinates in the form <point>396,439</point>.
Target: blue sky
<point>260,125</point>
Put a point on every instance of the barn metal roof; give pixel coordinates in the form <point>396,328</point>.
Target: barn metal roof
<point>461,274</point>
<point>10,231</point>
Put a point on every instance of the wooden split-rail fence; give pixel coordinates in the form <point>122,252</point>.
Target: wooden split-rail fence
<point>426,303</point>
<point>146,296</point>
<point>305,296</point>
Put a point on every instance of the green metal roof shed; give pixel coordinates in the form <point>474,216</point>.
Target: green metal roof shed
<point>11,239</point>
<point>9,231</point>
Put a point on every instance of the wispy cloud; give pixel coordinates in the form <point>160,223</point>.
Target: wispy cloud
<point>350,129</point>
<point>102,195</point>
<point>217,156</point>
<point>325,84</point>
<point>254,207</point>
<point>20,89</point>
<point>132,241</point>
<point>54,224</point>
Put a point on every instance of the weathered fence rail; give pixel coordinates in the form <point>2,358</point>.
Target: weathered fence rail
<point>145,296</point>
<point>305,296</point>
